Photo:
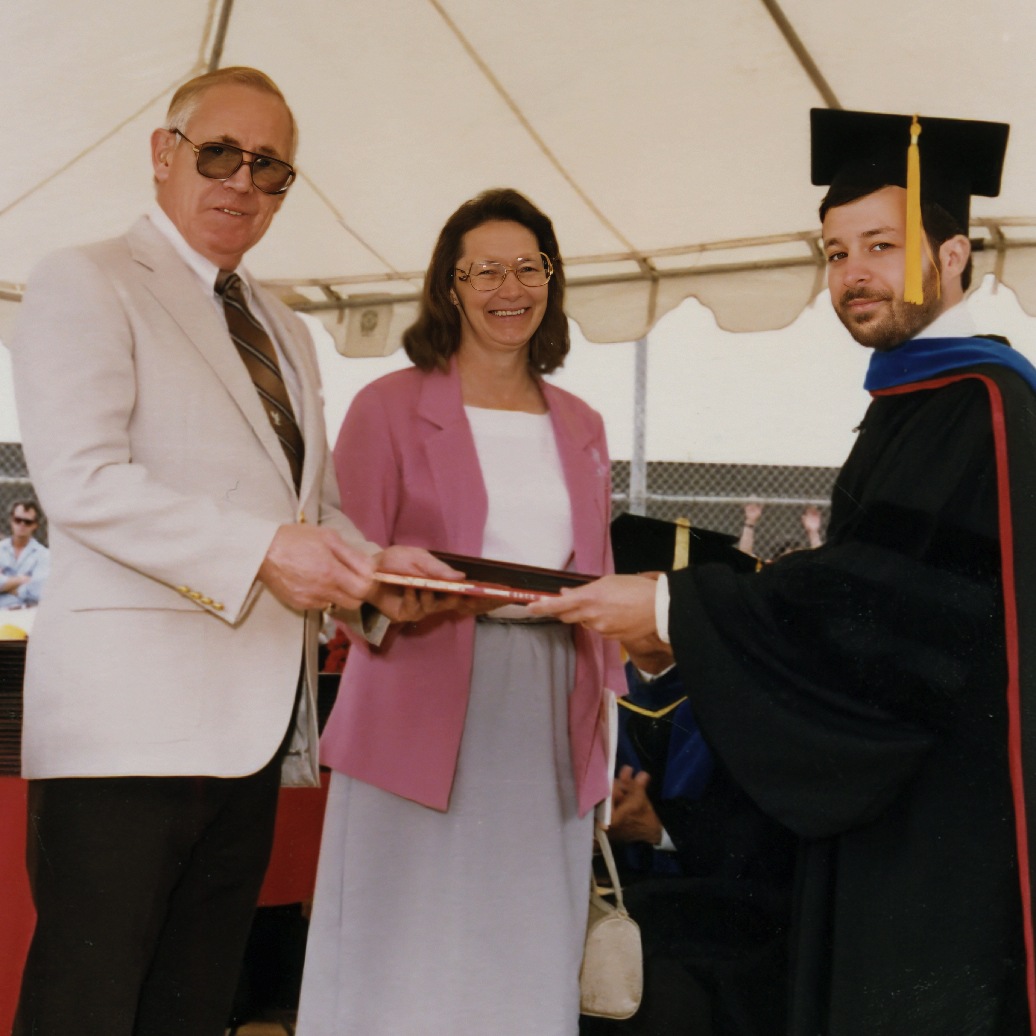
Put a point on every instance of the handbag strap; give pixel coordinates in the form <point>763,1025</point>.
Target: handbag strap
<point>609,861</point>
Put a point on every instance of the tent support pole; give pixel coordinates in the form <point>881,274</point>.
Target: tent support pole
<point>221,35</point>
<point>809,66</point>
<point>638,463</point>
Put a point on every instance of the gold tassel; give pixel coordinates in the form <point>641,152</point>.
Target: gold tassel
<point>682,547</point>
<point>913,283</point>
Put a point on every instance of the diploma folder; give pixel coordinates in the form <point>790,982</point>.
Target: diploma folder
<point>486,577</point>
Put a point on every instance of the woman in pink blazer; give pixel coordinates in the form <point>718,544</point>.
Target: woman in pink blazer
<point>468,751</point>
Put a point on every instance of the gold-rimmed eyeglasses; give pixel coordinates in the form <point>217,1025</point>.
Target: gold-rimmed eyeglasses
<point>219,161</point>
<point>485,276</point>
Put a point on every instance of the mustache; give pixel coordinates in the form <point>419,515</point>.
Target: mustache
<point>852,294</point>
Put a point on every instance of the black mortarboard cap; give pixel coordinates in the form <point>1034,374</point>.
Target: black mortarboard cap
<point>641,544</point>
<point>958,157</point>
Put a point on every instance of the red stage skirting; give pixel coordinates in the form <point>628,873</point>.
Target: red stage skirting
<point>296,845</point>
<point>17,917</point>
<point>289,879</point>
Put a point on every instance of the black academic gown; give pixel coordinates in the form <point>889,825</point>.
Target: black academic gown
<point>860,694</point>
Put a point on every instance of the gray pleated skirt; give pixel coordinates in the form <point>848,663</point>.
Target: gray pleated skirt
<point>469,922</point>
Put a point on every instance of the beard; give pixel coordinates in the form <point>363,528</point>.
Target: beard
<point>892,324</point>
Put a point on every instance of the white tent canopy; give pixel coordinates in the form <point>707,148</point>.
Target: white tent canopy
<point>668,141</point>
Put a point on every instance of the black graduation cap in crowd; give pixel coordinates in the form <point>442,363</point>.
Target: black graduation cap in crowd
<point>642,544</point>
<point>945,161</point>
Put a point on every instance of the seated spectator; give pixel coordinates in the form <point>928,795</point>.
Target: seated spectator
<point>24,561</point>
<point>811,521</point>
<point>706,875</point>
<point>753,512</point>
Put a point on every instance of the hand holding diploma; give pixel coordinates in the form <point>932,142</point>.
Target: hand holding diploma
<point>310,567</point>
<point>407,604</point>
<point>617,607</point>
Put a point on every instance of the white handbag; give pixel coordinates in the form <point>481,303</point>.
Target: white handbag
<point>611,980</point>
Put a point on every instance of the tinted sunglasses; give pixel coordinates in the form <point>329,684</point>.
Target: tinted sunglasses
<point>220,161</point>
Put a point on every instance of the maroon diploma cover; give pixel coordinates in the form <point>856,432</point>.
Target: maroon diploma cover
<point>484,577</point>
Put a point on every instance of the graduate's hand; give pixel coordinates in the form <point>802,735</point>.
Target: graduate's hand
<point>406,603</point>
<point>650,654</point>
<point>633,817</point>
<point>619,607</point>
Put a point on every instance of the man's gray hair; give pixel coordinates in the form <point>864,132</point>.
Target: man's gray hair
<point>186,100</point>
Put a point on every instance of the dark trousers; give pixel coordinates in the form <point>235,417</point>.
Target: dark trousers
<point>145,889</point>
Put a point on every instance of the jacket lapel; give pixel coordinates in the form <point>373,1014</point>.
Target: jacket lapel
<point>177,291</point>
<point>584,470</point>
<point>453,461</point>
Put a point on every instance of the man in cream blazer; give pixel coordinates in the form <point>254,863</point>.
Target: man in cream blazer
<point>171,670</point>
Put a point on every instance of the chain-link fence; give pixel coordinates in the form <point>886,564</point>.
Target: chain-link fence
<point>710,496</point>
<point>16,485</point>
<point>713,496</point>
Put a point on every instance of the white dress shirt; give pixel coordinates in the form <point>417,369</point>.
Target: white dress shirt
<point>207,271</point>
<point>956,322</point>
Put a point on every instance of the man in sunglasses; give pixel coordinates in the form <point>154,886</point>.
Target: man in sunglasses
<point>24,561</point>
<point>174,428</point>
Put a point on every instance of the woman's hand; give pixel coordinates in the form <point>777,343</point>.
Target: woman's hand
<point>406,603</point>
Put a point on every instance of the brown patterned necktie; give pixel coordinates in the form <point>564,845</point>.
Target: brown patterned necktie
<point>260,358</point>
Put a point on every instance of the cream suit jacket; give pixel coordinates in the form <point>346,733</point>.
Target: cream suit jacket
<point>155,651</point>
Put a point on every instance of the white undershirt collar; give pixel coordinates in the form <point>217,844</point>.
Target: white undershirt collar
<point>205,269</point>
<point>956,322</point>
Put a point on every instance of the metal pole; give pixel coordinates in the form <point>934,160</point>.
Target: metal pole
<point>221,35</point>
<point>809,66</point>
<point>638,462</point>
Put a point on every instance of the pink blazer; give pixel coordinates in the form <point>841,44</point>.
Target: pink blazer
<point>409,474</point>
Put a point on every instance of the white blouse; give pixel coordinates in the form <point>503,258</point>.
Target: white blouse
<point>530,516</point>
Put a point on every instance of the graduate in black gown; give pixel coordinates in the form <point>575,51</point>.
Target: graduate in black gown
<point>878,695</point>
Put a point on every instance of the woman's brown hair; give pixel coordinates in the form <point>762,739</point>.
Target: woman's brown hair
<point>435,336</point>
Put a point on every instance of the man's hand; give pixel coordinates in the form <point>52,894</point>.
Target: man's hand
<point>619,607</point>
<point>633,817</point>
<point>310,567</point>
<point>10,585</point>
<point>650,654</point>
<point>405,603</point>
